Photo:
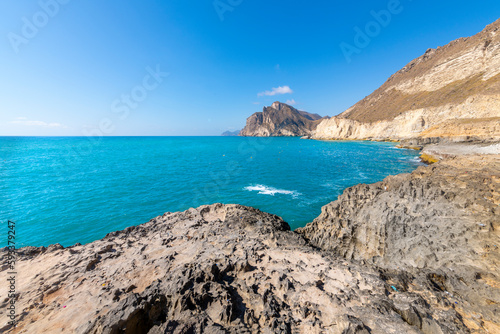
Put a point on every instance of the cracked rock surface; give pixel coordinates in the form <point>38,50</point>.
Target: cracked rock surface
<point>439,224</point>
<point>215,269</point>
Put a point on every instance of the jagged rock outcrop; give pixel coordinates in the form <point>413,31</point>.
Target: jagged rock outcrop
<point>452,85</point>
<point>439,222</point>
<point>280,120</point>
<point>219,269</point>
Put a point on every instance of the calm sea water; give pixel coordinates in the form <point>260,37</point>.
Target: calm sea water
<point>68,190</point>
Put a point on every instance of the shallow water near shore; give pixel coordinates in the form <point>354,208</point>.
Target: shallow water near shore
<point>73,189</point>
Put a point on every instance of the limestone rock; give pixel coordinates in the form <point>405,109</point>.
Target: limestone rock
<point>450,91</point>
<point>438,224</point>
<point>280,120</point>
<point>215,269</point>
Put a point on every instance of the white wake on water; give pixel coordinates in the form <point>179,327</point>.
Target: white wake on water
<point>265,190</point>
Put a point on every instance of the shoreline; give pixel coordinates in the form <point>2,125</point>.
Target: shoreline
<point>148,265</point>
<point>429,154</point>
<point>341,238</point>
<point>297,211</point>
<point>434,149</point>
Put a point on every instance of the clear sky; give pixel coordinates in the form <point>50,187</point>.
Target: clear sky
<point>177,67</point>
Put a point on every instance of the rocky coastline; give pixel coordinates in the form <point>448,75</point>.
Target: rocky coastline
<point>449,93</point>
<point>414,253</point>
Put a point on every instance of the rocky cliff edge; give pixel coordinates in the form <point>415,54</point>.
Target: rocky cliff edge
<point>280,119</point>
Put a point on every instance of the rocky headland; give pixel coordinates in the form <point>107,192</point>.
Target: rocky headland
<point>280,119</point>
<point>451,92</point>
<point>230,133</point>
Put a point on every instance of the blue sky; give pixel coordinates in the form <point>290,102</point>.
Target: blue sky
<point>201,67</point>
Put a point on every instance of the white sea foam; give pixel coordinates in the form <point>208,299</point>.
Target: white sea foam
<point>412,160</point>
<point>417,160</point>
<point>265,190</point>
<point>362,175</point>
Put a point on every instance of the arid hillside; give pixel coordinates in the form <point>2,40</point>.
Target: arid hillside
<point>458,81</point>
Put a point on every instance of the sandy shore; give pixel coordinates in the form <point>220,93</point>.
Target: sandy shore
<point>460,149</point>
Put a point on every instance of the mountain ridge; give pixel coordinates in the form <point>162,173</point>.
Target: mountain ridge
<point>460,80</point>
<point>451,92</point>
<point>230,133</point>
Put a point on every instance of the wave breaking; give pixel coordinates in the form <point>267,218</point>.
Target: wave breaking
<point>266,190</point>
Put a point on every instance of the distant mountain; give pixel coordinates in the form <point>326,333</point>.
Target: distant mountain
<point>280,119</point>
<point>312,117</point>
<point>230,133</point>
<point>460,80</point>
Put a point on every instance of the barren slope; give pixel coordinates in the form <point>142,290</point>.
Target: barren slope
<point>446,75</point>
<point>459,80</point>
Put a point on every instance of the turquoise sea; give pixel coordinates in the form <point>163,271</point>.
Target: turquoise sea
<point>76,189</point>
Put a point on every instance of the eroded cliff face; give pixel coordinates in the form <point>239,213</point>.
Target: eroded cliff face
<point>458,81</point>
<point>440,222</point>
<point>478,117</point>
<point>280,120</point>
<point>218,269</point>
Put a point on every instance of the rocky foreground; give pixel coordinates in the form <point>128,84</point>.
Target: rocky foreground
<point>440,223</point>
<point>415,253</point>
<point>213,269</point>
